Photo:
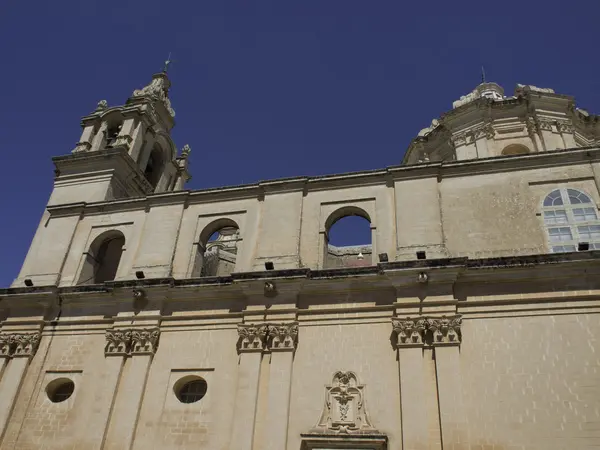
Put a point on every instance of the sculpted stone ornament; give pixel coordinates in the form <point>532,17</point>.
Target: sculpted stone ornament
<point>532,126</point>
<point>252,337</point>
<point>157,90</point>
<point>15,345</point>
<point>135,341</point>
<point>185,151</point>
<point>564,127</point>
<point>344,410</point>
<point>283,337</point>
<point>102,105</point>
<point>535,88</point>
<point>427,330</point>
<point>545,124</point>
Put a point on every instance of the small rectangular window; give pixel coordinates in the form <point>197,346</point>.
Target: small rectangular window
<point>563,248</point>
<point>560,234</point>
<point>589,232</point>
<point>584,214</point>
<point>555,217</point>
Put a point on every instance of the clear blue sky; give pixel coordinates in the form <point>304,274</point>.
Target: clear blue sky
<point>268,89</point>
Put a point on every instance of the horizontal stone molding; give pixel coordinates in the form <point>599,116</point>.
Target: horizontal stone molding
<point>13,345</point>
<point>131,341</point>
<point>427,331</point>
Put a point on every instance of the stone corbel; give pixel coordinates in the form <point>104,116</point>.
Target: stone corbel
<point>15,345</point>
<point>420,331</point>
<point>127,342</point>
<point>283,336</point>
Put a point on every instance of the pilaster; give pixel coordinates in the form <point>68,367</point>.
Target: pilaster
<point>135,347</point>
<point>444,335</point>
<point>282,340</point>
<point>251,344</point>
<point>16,350</point>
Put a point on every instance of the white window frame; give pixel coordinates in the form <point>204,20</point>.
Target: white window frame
<point>571,222</point>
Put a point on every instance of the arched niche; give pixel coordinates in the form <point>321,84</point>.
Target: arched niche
<point>158,155</point>
<point>217,249</point>
<point>113,122</point>
<point>351,251</point>
<point>102,258</point>
<point>515,149</point>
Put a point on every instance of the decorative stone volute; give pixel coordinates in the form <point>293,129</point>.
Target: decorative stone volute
<point>135,341</point>
<point>13,345</point>
<point>283,336</point>
<point>427,331</point>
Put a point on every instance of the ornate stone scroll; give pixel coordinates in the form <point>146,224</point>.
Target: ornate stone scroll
<point>15,345</point>
<point>157,90</point>
<point>251,337</point>
<point>283,336</point>
<point>427,330</point>
<point>132,341</point>
<point>344,410</point>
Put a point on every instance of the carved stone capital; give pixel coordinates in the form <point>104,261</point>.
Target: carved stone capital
<point>14,345</point>
<point>144,342</point>
<point>252,337</point>
<point>134,341</point>
<point>486,130</point>
<point>283,336</point>
<point>420,331</point>
<point>459,139</point>
<point>123,140</point>
<point>545,124</point>
<point>532,126</point>
<point>409,331</point>
<point>445,330</point>
<point>565,127</point>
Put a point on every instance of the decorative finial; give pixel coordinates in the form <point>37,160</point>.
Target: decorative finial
<point>185,151</point>
<point>102,104</point>
<point>167,63</point>
<point>482,74</point>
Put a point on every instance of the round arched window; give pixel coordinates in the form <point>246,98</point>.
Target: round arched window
<point>190,389</point>
<point>571,218</point>
<point>60,390</point>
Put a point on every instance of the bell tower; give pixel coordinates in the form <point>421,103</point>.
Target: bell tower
<point>124,151</point>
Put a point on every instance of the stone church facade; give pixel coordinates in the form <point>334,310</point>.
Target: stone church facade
<point>148,316</point>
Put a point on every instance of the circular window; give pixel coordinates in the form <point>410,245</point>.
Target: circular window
<point>59,390</point>
<point>190,389</point>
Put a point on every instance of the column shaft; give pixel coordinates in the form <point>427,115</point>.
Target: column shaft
<point>278,402</point>
<point>129,396</point>
<point>12,377</point>
<point>415,433</point>
<point>246,398</point>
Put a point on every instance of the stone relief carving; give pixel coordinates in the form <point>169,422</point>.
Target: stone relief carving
<point>252,337</point>
<point>158,89</point>
<point>283,336</point>
<point>125,342</point>
<point>18,344</point>
<point>344,410</point>
<point>486,130</point>
<point>427,330</point>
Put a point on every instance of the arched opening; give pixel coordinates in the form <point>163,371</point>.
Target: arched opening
<point>154,166</point>
<point>217,250</point>
<point>348,241</point>
<point>103,258</point>
<point>515,149</point>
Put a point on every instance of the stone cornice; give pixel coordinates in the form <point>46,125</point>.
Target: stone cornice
<point>382,177</point>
